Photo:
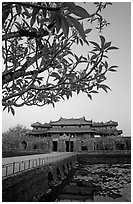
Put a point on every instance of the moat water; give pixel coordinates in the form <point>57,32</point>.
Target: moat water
<point>98,183</point>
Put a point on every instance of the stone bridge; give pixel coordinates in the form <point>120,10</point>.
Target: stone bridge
<point>30,177</point>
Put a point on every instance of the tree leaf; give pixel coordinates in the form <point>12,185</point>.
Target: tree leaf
<point>78,90</point>
<point>18,25</point>
<point>58,21</point>
<point>101,78</point>
<point>102,41</point>
<point>53,104</point>
<point>96,44</point>
<point>62,97</point>
<point>106,64</point>
<point>65,25</point>
<point>78,26</point>
<point>68,94</point>
<point>5,108</point>
<point>44,13</point>
<point>106,45</point>
<point>81,42</point>
<point>93,91</point>
<point>68,4</point>
<point>89,96</point>
<point>79,11</point>
<point>26,51</point>
<point>53,16</point>
<point>16,88</point>
<point>94,56</point>
<point>105,56</point>
<point>113,48</point>
<point>70,59</point>
<point>84,58</point>
<point>18,9</point>
<point>112,70</point>
<point>88,30</point>
<point>114,66</point>
<point>104,87</point>
<point>12,110</point>
<point>76,57</point>
<point>56,75</point>
<point>100,68</point>
<point>33,19</point>
<point>26,12</point>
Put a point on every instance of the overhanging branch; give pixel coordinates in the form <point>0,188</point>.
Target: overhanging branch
<point>7,76</point>
<point>37,6</point>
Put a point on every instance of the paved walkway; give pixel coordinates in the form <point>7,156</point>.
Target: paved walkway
<point>29,157</point>
<point>13,165</point>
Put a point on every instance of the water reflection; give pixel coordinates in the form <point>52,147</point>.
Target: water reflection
<point>98,183</point>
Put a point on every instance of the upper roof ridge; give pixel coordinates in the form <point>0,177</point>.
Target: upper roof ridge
<point>36,124</point>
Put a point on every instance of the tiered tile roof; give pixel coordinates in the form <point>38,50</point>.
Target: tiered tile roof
<point>98,124</point>
<point>71,121</point>
<point>112,123</point>
<point>102,124</point>
<point>76,125</point>
<point>71,130</point>
<point>36,124</point>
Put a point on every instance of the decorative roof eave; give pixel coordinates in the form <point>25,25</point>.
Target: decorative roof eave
<point>98,124</point>
<point>71,121</point>
<point>37,124</point>
<point>46,125</point>
<point>112,123</point>
<point>36,132</point>
<point>102,124</point>
<point>63,130</point>
<point>120,132</point>
<point>109,131</point>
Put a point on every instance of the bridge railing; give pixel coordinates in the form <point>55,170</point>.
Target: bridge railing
<point>20,166</point>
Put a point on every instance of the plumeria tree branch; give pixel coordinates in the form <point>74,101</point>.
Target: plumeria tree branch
<point>39,65</point>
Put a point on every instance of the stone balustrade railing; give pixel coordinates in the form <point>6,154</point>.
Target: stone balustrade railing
<point>16,167</point>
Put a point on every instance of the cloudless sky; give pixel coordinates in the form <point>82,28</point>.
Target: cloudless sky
<point>116,105</point>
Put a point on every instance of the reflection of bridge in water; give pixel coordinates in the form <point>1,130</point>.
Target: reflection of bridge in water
<point>77,193</point>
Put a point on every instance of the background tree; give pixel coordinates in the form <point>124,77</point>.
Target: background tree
<point>12,137</point>
<point>39,65</point>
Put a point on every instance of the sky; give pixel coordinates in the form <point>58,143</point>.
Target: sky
<point>114,105</point>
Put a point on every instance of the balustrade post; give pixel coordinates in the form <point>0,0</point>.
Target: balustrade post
<point>24,165</point>
<point>19,167</point>
<point>39,161</point>
<point>29,163</point>
<point>36,162</point>
<point>6,170</point>
<point>13,171</point>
